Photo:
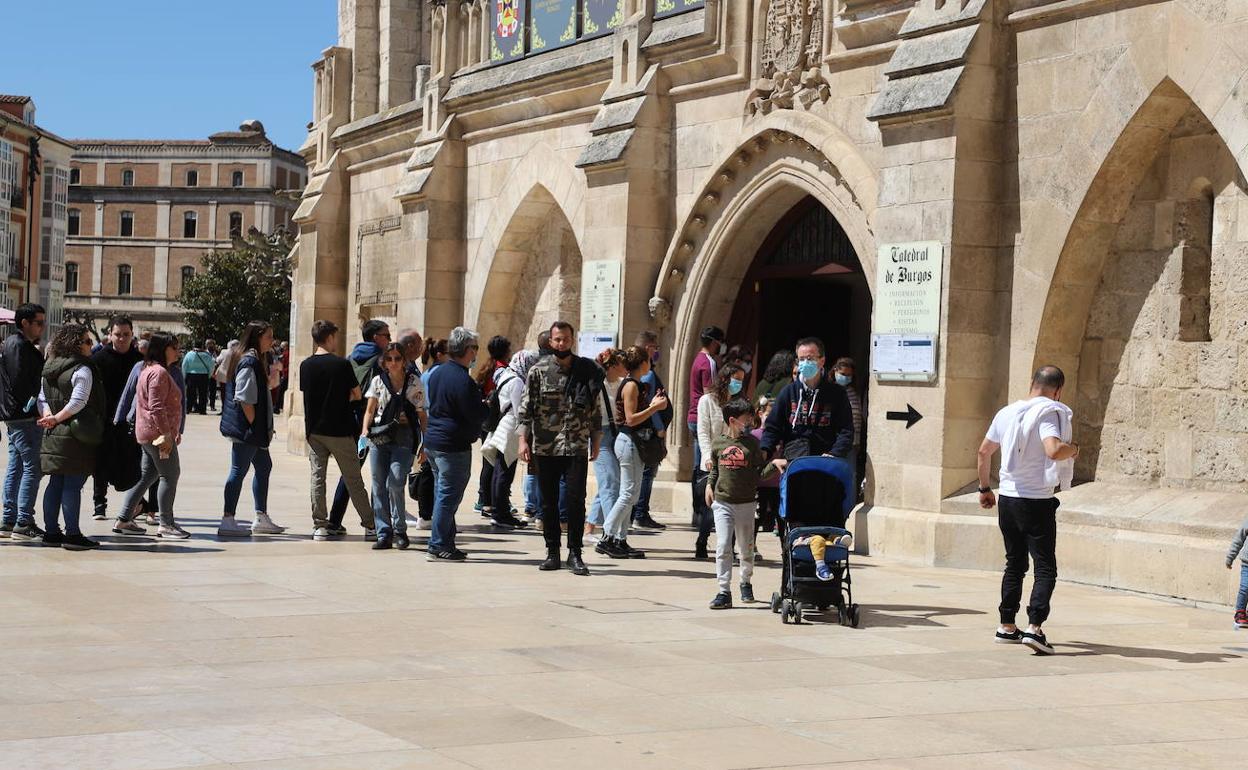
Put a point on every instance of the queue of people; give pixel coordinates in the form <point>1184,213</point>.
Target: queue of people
<point>413,410</point>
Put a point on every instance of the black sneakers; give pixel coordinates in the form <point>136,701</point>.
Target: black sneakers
<point>612,548</point>
<point>747,593</point>
<point>646,522</point>
<point>1038,643</point>
<point>53,539</point>
<point>452,555</point>
<point>1008,637</point>
<point>722,601</point>
<point>27,531</point>
<point>401,541</point>
<point>78,542</point>
<point>383,544</point>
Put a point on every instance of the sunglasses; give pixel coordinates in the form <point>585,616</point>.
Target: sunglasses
<point>393,359</point>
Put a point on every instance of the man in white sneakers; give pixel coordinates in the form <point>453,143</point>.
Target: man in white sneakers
<point>1037,456</point>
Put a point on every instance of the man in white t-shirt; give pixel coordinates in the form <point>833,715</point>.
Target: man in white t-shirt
<point>1034,437</point>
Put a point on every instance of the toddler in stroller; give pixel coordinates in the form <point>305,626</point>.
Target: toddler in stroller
<point>814,507</point>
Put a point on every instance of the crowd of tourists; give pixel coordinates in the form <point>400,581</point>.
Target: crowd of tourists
<point>413,410</point>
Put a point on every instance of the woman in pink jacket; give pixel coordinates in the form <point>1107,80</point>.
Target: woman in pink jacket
<point>157,427</point>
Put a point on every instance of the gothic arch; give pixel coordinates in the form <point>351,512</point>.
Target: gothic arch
<point>541,189</point>
<point>1087,185</point>
<point>770,172</point>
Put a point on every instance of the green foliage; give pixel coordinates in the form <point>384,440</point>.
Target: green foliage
<point>249,281</point>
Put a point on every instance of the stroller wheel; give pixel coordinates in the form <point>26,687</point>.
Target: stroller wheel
<point>854,615</point>
<point>786,610</point>
<point>797,613</point>
<point>775,602</point>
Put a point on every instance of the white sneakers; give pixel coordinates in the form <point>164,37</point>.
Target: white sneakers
<point>424,523</point>
<point>232,527</point>
<point>265,526</point>
<point>321,533</point>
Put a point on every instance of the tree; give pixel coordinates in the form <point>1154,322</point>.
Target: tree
<point>249,281</point>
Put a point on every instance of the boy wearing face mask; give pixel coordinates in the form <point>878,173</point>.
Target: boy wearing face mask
<point>844,373</point>
<point>737,465</point>
<point>812,416</point>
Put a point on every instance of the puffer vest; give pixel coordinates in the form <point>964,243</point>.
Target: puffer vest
<point>61,453</point>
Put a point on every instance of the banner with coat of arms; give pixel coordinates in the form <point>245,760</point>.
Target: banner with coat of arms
<point>507,34</point>
<point>552,24</point>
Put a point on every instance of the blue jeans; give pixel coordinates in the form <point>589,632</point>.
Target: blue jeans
<point>390,465</point>
<point>607,472</point>
<point>631,469</point>
<point>21,479</point>
<point>642,509</point>
<point>1241,601</point>
<point>241,456</point>
<point>451,472</point>
<point>64,494</point>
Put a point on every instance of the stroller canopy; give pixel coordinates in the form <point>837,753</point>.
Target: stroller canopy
<point>814,491</point>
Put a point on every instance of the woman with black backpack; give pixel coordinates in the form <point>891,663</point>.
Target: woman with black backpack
<point>634,426</point>
<point>393,423</point>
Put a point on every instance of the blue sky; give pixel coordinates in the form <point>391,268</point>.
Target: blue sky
<point>168,69</point>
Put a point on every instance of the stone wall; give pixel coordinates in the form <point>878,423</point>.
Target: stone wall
<point>1158,397</point>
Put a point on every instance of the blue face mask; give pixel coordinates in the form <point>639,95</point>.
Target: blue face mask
<point>843,380</point>
<point>807,369</point>
<point>734,386</point>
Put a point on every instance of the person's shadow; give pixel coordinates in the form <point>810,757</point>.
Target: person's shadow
<point>910,615</point>
<point>1092,648</point>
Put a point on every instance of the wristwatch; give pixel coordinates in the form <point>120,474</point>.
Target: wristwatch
<point>983,490</point>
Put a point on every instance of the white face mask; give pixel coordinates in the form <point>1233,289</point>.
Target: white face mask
<point>747,367</point>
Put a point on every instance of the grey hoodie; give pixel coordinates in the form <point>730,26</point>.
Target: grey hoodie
<point>1237,545</point>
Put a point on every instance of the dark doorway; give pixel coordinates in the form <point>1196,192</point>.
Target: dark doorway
<point>806,280</point>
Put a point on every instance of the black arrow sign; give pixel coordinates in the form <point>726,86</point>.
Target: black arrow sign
<point>910,416</point>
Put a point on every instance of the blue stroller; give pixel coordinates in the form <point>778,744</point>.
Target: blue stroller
<point>813,501</point>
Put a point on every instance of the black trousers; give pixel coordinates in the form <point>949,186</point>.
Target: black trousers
<point>702,515</point>
<point>424,492</point>
<point>485,484</point>
<point>768,508</point>
<point>1029,528</point>
<point>572,471</point>
<point>498,496</point>
<point>197,393</point>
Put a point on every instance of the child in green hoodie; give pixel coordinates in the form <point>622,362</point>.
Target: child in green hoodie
<point>737,465</point>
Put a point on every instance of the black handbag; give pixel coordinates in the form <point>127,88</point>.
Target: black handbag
<point>382,433</point>
<point>650,445</point>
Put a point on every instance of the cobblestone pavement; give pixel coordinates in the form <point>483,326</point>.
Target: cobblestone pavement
<point>286,653</point>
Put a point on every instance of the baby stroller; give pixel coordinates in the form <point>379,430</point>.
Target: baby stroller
<point>813,501</point>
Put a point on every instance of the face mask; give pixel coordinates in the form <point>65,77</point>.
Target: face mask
<point>747,367</point>
<point>843,380</point>
<point>562,353</point>
<point>654,358</point>
<point>734,386</point>
<point>807,369</point>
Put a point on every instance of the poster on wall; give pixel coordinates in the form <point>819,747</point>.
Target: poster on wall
<point>600,296</point>
<point>601,17</point>
<point>507,33</point>
<point>672,7</point>
<point>552,24</point>
<point>906,322</point>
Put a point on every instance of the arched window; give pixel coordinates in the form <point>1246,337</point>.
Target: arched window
<point>236,179</point>
<point>188,273</point>
<point>73,221</point>
<point>124,276</point>
<point>192,178</point>
<point>127,178</point>
<point>127,224</point>
<point>71,277</point>
<point>189,221</point>
<point>236,223</point>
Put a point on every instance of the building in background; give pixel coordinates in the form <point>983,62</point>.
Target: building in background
<point>34,200</point>
<point>143,212</point>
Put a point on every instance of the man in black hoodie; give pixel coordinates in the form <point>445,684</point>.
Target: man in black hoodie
<point>811,416</point>
<point>119,458</point>
<point>20,369</point>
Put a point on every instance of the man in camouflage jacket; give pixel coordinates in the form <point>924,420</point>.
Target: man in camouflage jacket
<point>560,431</point>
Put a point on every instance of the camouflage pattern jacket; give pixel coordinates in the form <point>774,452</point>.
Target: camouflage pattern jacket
<point>555,420</point>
